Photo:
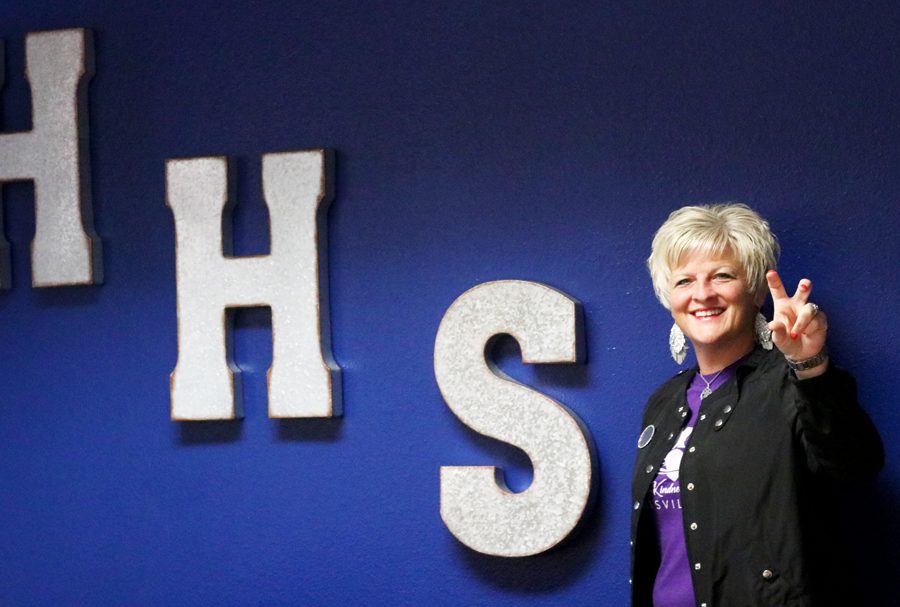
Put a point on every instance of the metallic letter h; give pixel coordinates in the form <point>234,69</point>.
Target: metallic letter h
<point>303,380</point>
<point>53,154</point>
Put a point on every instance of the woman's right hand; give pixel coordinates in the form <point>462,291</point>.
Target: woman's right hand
<point>799,328</point>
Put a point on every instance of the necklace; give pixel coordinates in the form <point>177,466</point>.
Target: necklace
<point>708,389</point>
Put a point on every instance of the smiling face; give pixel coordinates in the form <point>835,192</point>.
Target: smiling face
<point>712,305</point>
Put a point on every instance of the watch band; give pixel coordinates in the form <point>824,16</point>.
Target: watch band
<point>808,363</point>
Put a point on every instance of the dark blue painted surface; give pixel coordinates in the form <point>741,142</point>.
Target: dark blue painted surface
<point>473,142</point>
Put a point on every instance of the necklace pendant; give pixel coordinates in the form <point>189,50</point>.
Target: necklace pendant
<point>706,392</point>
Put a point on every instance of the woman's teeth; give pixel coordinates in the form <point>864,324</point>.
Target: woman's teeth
<point>706,313</point>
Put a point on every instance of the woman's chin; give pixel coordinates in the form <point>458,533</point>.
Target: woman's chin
<point>724,344</point>
<point>716,339</point>
<point>706,339</point>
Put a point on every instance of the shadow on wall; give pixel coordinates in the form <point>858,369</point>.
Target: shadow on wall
<point>209,432</point>
<point>287,430</point>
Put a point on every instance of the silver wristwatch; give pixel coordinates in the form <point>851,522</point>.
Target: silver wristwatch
<point>808,363</point>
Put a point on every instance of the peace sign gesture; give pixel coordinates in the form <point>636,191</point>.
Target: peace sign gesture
<point>798,328</point>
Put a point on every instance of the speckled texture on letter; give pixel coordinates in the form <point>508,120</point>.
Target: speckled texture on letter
<point>304,380</point>
<point>483,515</point>
<point>53,154</point>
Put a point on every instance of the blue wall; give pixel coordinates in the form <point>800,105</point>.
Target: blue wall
<point>474,141</point>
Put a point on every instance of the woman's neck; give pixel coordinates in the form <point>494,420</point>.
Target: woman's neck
<point>712,358</point>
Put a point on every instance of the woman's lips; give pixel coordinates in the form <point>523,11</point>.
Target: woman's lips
<point>707,312</point>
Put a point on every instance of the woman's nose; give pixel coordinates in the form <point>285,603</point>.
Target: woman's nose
<point>703,290</point>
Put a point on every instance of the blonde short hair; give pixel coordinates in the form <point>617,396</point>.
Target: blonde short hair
<point>714,229</point>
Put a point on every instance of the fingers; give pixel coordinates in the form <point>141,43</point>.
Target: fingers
<point>803,290</point>
<point>805,317</point>
<point>795,316</point>
<point>776,287</point>
<point>779,333</point>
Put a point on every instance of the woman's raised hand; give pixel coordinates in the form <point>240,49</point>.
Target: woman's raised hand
<point>798,328</point>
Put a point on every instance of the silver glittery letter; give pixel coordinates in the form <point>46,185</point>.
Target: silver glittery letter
<point>54,155</point>
<point>304,381</point>
<point>483,515</point>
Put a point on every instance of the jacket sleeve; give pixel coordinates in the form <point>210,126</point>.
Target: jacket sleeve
<point>840,439</point>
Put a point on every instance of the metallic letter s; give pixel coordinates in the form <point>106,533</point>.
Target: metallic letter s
<point>483,515</point>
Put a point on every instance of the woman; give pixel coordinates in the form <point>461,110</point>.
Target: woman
<point>729,501</point>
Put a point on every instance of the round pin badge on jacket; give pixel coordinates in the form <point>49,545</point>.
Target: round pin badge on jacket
<point>646,436</point>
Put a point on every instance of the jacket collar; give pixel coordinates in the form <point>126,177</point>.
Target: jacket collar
<point>720,405</point>
<point>756,358</point>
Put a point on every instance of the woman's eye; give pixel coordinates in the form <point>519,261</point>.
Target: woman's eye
<point>681,282</point>
<point>724,276</point>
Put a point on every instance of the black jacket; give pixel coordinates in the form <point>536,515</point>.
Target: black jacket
<point>755,483</point>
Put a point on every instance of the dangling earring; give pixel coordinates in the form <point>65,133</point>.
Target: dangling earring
<point>763,334</point>
<point>677,344</point>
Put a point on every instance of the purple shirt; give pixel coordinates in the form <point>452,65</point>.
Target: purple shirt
<point>673,586</point>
